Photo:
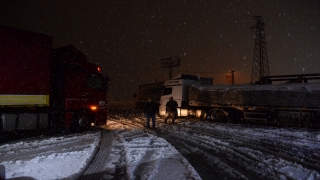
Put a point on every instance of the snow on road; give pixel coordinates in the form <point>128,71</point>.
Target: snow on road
<point>67,157</point>
<point>242,151</point>
<point>266,152</point>
<point>150,157</point>
<point>49,158</point>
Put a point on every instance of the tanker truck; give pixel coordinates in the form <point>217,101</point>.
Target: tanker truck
<point>44,88</point>
<point>282,103</point>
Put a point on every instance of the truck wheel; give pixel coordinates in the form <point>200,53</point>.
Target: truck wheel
<point>218,115</point>
<point>84,122</point>
<point>80,121</point>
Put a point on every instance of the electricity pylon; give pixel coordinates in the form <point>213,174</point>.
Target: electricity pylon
<point>260,66</point>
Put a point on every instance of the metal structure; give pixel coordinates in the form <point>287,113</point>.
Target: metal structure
<point>293,78</point>
<point>260,66</point>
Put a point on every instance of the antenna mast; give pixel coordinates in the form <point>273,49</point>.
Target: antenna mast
<point>260,66</point>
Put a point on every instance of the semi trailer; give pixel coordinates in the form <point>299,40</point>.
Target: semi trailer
<point>43,88</point>
<point>283,103</point>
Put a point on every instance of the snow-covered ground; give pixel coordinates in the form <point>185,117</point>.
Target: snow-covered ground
<point>49,158</point>
<point>232,151</point>
<point>145,155</point>
<point>148,156</point>
<point>66,157</point>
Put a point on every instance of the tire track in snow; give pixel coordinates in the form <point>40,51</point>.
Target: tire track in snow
<point>145,162</point>
<point>266,146</point>
<point>98,169</point>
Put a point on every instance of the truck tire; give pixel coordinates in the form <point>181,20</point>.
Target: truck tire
<point>218,116</point>
<point>81,121</point>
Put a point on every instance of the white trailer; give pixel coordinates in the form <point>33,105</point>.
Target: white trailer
<point>297,103</point>
<point>178,88</point>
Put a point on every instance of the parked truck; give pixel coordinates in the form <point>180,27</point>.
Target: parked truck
<point>43,88</point>
<point>285,103</point>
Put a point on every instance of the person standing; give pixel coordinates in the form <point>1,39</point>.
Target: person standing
<point>150,110</point>
<point>171,108</point>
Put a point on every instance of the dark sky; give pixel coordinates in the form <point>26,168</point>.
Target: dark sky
<point>129,38</point>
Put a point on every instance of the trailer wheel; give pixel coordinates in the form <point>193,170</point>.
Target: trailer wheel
<point>218,116</point>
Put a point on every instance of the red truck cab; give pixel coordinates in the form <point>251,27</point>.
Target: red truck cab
<point>79,89</point>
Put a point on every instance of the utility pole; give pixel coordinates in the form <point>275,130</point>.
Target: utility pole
<point>260,66</point>
<point>232,77</point>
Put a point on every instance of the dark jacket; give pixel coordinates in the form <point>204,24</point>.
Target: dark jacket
<point>150,107</point>
<point>172,106</point>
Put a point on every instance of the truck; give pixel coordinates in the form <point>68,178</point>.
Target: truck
<point>178,89</point>
<point>278,104</point>
<point>146,91</point>
<point>43,88</point>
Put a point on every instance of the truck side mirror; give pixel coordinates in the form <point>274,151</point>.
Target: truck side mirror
<point>106,82</point>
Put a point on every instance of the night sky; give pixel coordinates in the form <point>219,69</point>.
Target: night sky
<point>129,38</point>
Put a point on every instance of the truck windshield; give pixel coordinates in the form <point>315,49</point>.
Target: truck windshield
<point>167,91</point>
<point>95,81</point>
